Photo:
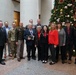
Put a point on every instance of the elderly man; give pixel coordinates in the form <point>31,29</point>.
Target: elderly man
<point>2,41</point>
<point>30,37</point>
<point>20,41</point>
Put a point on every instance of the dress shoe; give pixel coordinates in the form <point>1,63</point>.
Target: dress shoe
<point>69,61</point>
<point>19,60</point>
<point>75,61</point>
<point>46,61</point>
<point>22,57</point>
<point>28,59</point>
<point>34,58</point>
<point>2,63</point>
<point>52,63</point>
<point>63,62</point>
<point>43,61</point>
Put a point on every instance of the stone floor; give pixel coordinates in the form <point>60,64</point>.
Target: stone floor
<point>34,67</point>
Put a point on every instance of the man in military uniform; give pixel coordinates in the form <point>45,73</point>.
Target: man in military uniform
<point>12,39</point>
<point>20,41</point>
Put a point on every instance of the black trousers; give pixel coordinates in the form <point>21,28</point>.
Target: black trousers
<point>31,49</point>
<point>53,52</point>
<point>69,50</point>
<point>63,52</point>
<point>44,52</point>
<point>1,52</point>
<point>39,52</point>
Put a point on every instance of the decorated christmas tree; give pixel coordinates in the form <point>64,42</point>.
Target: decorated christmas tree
<point>63,10</point>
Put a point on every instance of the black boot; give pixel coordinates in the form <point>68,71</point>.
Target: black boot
<point>75,61</point>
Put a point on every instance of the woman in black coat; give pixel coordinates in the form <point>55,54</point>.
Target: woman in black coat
<point>44,44</point>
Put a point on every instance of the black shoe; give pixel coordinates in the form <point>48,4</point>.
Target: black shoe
<point>34,58</point>
<point>75,61</point>
<point>22,57</point>
<point>19,60</point>
<point>28,59</point>
<point>2,63</point>
<point>51,63</point>
<point>63,62</point>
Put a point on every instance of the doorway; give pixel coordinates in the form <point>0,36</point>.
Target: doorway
<point>17,17</point>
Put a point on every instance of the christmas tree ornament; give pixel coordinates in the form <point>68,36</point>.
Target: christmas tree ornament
<point>58,19</point>
<point>61,1</point>
<point>55,18</point>
<point>63,23</point>
<point>68,15</point>
<point>71,16</point>
<point>61,10</point>
<point>69,5</point>
<point>71,11</point>
<point>61,13</point>
<point>65,7</point>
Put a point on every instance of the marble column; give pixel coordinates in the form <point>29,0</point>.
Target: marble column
<point>29,9</point>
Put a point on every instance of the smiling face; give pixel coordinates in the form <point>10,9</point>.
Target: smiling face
<point>45,28</point>
<point>53,26</point>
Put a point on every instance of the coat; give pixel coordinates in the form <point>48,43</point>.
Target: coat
<point>2,37</point>
<point>69,37</point>
<point>28,34</point>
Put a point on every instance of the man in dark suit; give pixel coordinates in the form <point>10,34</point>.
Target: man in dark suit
<point>2,42</point>
<point>69,40</point>
<point>29,36</point>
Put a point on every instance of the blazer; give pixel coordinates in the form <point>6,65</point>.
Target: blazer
<point>74,35</point>
<point>44,39</point>
<point>69,37</point>
<point>28,34</point>
<point>2,37</point>
<point>62,37</point>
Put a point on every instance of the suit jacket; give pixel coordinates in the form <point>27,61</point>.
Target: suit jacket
<point>28,34</point>
<point>74,35</point>
<point>69,37</point>
<point>2,37</point>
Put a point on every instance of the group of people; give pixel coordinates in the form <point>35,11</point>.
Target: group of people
<point>56,38</point>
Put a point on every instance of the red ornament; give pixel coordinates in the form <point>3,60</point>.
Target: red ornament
<point>61,1</point>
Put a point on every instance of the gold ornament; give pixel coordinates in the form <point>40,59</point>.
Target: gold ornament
<point>61,10</point>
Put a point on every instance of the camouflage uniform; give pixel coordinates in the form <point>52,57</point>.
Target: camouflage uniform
<point>12,41</point>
